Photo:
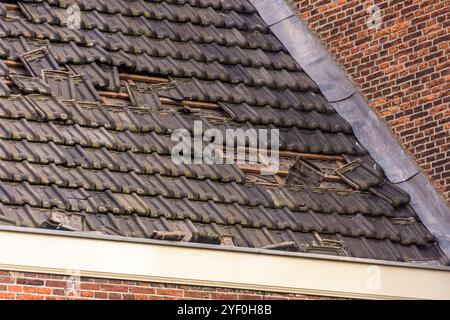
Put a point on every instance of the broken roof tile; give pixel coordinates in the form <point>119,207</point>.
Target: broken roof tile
<point>71,87</point>
<point>60,83</point>
<point>102,76</point>
<point>61,220</point>
<point>304,173</point>
<point>31,84</point>
<point>38,60</point>
<point>391,193</point>
<point>84,89</point>
<point>362,174</point>
<point>144,98</point>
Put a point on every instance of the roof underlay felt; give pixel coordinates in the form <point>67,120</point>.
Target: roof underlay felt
<point>86,116</point>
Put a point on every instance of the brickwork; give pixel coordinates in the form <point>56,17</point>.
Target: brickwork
<point>401,66</point>
<point>34,286</point>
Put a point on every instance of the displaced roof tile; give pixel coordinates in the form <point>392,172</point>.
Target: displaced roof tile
<point>31,84</point>
<point>38,60</point>
<point>70,162</point>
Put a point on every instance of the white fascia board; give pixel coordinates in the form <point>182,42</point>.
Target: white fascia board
<point>143,260</point>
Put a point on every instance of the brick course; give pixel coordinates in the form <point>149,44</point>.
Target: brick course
<point>36,286</point>
<point>402,68</point>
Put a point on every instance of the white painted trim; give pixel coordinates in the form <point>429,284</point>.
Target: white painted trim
<point>205,266</point>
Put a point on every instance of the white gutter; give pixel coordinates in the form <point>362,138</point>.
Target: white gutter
<point>41,251</point>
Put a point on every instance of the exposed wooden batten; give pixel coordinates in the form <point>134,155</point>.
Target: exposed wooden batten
<point>333,178</point>
<point>114,95</point>
<point>124,76</point>
<point>147,79</point>
<point>293,154</point>
<point>193,104</point>
<point>12,63</point>
<point>257,169</point>
<point>11,6</point>
<point>199,104</point>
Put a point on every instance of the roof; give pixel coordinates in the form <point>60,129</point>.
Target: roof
<point>86,117</point>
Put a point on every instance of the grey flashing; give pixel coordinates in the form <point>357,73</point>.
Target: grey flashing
<point>265,10</point>
<point>376,137</point>
<point>432,210</point>
<point>309,53</point>
<point>371,131</point>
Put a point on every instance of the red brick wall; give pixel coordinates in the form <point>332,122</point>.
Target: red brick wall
<point>402,68</point>
<point>33,286</point>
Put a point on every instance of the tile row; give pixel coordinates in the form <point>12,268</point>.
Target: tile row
<point>298,140</point>
<point>287,118</point>
<point>365,174</point>
<point>70,53</point>
<point>240,236</point>
<point>295,199</point>
<point>163,46</point>
<point>102,76</point>
<point>216,91</point>
<point>147,115</point>
<point>38,108</point>
<point>124,128</point>
<point>77,200</point>
<point>41,108</point>
<point>235,5</point>
<point>95,138</point>
<point>104,5</point>
<point>58,11</point>
<point>122,162</point>
<point>160,29</point>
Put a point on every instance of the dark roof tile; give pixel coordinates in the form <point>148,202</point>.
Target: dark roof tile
<point>362,174</point>
<point>38,60</point>
<point>391,193</point>
<point>31,84</point>
<point>104,77</point>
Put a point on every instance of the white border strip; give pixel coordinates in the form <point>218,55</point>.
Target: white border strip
<point>202,266</point>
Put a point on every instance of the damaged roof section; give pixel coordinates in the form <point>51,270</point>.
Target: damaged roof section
<point>86,118</point>
<point>365,175</point>
<point>38,60</point>
<point>77,87</point>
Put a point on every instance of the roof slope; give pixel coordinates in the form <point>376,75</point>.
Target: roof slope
<point>86,117</point>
